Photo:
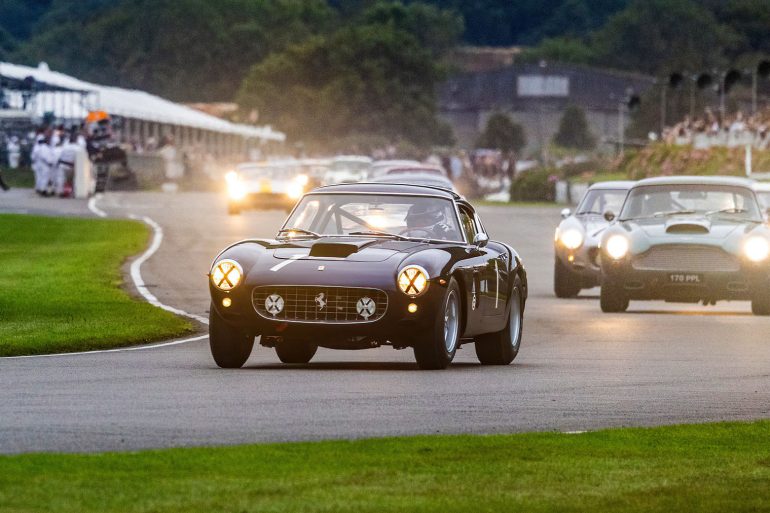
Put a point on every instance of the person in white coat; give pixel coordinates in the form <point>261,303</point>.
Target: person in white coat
<point>65,166</point>
<point>14,152</point>
<point>37,163</point>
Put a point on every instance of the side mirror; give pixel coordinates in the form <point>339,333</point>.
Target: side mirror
<point>480,240</point>
<point>566,213</point>
<point>609,216</point>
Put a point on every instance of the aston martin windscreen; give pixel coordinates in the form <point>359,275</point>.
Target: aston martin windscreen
<point>599,201</point>
<point>691,199</point>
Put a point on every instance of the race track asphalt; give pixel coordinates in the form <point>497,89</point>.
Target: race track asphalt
<point>578,369</point>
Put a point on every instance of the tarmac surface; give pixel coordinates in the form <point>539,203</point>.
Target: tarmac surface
<point>578,369</point>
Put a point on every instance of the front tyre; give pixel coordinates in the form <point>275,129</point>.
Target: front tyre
<point>438,349</point>
<point>613,298</point>
<point>295,351</point>
<point>502,347</point>
<point>230,346</point>
<point>565,283</point>
<point>760,302</point>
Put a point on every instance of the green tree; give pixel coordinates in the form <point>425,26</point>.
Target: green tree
<point>573,130</point>
<point>436,29</point>
<point>186,49</point>
<point>372,79</point>
<point>502,134</point>
<point>657,36</point>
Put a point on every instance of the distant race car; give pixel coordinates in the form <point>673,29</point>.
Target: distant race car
<point>265,185</point>
<point>381,167</point>
<point>357,266</point>
<point>576,242</point>
<point>430,180</point>
<point>347,169</point>
<point>687,239</point>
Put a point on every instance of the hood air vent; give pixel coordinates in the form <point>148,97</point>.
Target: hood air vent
<point>687,228</point>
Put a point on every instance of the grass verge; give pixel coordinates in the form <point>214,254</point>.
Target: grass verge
<point>60,287</point>
<point>709,467</point>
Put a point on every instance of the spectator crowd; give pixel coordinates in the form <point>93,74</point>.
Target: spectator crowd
<point>710,130</point>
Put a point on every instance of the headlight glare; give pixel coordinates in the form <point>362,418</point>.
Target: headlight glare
<point>572,238</point>
<point>236,189</point>
<point>413,280</point>
<point>226,274</point>
<point>617,246</point>
<point>756,249</point>
<point>295,191</point>
<point>302,180</point>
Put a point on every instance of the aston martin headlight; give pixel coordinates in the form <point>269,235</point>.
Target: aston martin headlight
<point>226,274</point>
<point>413,280</point>
<point>756,249</point>
<point>617,246</point>
<point>572,238</point>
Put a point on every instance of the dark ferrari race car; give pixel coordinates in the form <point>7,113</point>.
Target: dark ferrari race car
<point>358,266</point>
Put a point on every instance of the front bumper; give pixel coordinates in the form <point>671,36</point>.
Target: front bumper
<point>583,262</point>
<point>397,325</point>
<point>742,284</point>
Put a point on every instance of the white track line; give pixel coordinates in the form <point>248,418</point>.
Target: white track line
<point>93,208</point>
<point>136,272</point>
<point>117,350</point>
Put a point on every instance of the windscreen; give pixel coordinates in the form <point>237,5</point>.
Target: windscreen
<point>255,172</point>
<point>405,215</point>
<point>764,199</point>
<point>659,200</point>
<point>599,201</point>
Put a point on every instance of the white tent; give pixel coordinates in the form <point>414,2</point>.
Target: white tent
<point>123,102</point>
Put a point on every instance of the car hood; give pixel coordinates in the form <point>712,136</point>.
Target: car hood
<point>702,228</point>
<point>375,249</point>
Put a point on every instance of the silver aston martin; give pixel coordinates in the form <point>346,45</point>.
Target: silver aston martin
<point>687,239</point>
<point>576,242</point>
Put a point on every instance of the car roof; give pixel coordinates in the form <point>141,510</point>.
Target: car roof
<point>621,185</point>
<point>762,186</point>
<point>696,180</point>
<point>388,188</point>
<point>410,178</point>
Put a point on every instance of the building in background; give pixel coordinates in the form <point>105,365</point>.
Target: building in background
<point>536,96</point>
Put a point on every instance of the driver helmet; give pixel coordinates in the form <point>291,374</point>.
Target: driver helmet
<point>424,215</point>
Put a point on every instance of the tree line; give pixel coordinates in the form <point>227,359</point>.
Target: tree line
<point>331,70</point>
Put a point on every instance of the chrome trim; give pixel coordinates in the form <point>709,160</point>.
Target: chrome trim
<point>235,264</point>
<point>419,268</point>
<point>387,304</point>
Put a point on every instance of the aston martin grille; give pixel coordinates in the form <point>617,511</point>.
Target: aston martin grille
<point>683,257</point>
<point>319,304</point>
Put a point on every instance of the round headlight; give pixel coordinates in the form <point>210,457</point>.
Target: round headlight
<point>226,274</point>
<point>236,189</point>
<point>572,238</point>
<point>413,280</point>
<point>295,191</point>
<point>617,246</point>
<point>756,249</point>
<point>302,180</point>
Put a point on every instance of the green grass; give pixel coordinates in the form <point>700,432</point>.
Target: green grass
<point>60,285</point>
<point>705,468</point>
<point>19,177</point>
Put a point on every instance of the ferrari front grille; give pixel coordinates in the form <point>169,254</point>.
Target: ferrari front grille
<point>684,257</point>
<point>316,304</point>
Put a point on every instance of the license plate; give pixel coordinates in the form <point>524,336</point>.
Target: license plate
<point>685,279</point>
<point>265,186</point>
